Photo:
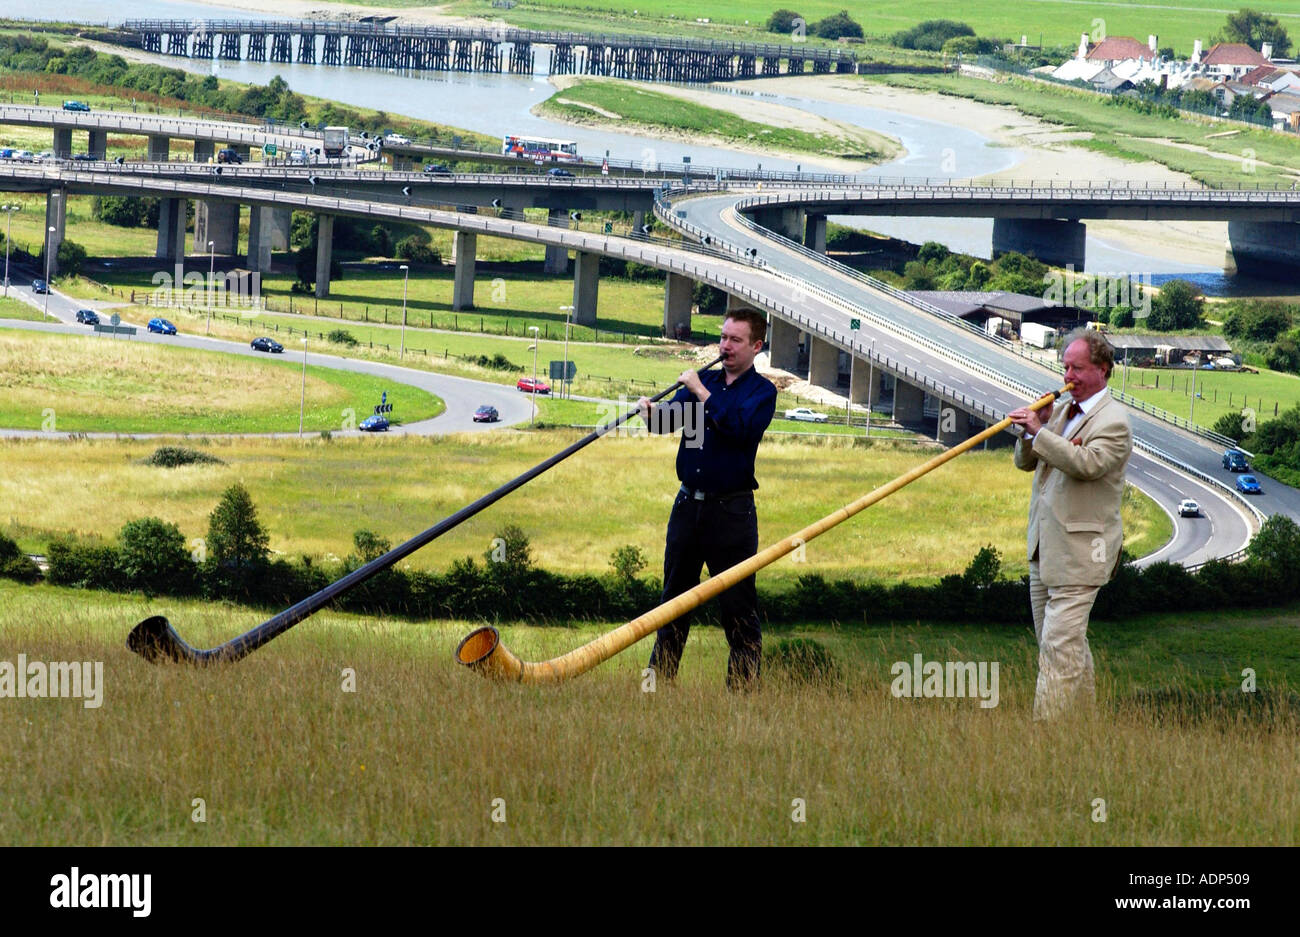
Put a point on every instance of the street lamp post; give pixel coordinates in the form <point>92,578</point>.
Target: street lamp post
<point>211,268</point>
<point>45,312</point>
<point>302,400</point>
<point>1196,364</point>
<point>406,279</point>
<point>533,420</point>
<point>9,222</point>
<point>568,313</point>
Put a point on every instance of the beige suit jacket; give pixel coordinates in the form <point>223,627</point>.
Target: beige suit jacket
<point>1074,510</point>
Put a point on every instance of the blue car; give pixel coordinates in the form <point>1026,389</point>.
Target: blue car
<point>1249,485</point>
<point>40,286</point>
<point>374,424</point>
<point>162,326</point>
<point>87,317</point>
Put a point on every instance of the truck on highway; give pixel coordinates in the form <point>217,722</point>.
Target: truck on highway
<point>335,142</point>
<point>1040,336</point>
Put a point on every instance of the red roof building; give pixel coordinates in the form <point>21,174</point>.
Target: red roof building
<point>1119,49</point>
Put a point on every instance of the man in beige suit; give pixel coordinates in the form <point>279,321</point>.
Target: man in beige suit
<point>1077,454</point>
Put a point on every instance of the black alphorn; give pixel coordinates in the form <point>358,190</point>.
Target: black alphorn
<point>155,639</point>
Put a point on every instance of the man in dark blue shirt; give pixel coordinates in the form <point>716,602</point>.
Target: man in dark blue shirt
<point>723,415</point>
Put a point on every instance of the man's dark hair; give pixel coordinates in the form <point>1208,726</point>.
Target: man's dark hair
<point>757,321</point>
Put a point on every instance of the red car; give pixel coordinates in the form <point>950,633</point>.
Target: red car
<point>531,385</point>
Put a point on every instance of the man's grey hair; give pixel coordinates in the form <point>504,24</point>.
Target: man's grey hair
<point>1100,351</point>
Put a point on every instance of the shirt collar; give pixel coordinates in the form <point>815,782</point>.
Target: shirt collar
<point>1087,406</point>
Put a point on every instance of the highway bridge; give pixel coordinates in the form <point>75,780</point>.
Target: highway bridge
<point>919,361</point>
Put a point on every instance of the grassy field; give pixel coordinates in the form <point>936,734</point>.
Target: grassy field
<point>420,753</point>
<point>1058,22</point>
<point>313,494</point>
<point>11,308</point>
<point>1121,131</point>
<point>1217,392</point>
<point>96,384</point>
<point>616,103</point>
<point>506,302</point>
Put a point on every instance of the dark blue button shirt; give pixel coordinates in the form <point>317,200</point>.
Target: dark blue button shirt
<point>735,417</point>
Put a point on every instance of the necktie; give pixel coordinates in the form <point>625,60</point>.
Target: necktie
<point>1074,411</point>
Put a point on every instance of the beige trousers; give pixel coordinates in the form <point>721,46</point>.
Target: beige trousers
<point>1065,674</point>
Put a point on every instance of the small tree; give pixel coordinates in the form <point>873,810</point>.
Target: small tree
<point>511,554</point>
<point>626,562</point>
<point>835,26</point>
<point>1284,355</point>
<point>152,556</point>
<point>237,543</point>
<point>1178,306</point>
<point>782,21</point>
<point>381,241</point>
<point>985,567</point>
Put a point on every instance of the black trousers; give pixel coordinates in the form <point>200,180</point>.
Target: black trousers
<point>719,534</point>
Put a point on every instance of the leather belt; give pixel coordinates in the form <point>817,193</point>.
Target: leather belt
<point>699,495</point>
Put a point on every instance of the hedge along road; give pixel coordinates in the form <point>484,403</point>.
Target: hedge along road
<point>461,395</point>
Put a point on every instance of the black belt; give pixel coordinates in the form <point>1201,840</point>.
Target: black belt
<point>699,495</point>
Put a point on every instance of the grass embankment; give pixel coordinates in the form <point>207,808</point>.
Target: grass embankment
<point>1246,158</point>
<point>313,494</point>
<point>1267,393</point>
<point>104,384</point>
<point>628,106</point>
<point>11,308</point>
<point>281,754</point>
<point>1057,23</point>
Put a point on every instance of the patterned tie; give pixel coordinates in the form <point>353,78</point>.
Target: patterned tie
<point>1074,411</point>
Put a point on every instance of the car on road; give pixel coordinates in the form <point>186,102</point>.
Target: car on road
<point>83,157</point>
<point>559,173</point>
<point>40,286</point>
<point>25,156</point>
<point>803,413</point>
<point>1249,485</point>
<point>396,139</point>
<point>297,157</point>
<point>76,106</point>
<point>374,424</point>
<point>266,344</point>
<point>1234,460</point>
<point>7,153</point>
<point>161,326</point>
<point>486,414</point>
<point>87,317</point>
<point>438,169</point>
<point>532,385</point>
<point>229,155</point>
<point>44,156</point>
<point>1188,508</point>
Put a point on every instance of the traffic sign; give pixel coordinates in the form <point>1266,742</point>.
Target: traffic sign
<point>384,408</point>
<point>269,149</point>
<point>557,370</point>
<point>855,324</point>
<point>115,320</point>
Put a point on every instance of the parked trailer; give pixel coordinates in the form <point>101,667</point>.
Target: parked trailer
<point>335,142</point>
<point>1040,336</point>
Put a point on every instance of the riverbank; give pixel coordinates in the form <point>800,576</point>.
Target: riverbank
<point>1047,152</point>
<point>704,109</point>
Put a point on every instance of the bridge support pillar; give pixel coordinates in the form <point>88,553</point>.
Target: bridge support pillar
<point>56,217</point>
<point>586,284</point>
<point>63,142</point>
<point>783,344</point>
<point>788,222</point>
<point>909,402</point>
<point>171,231</point>
<point>638,219</point>
<point>217,222</point>
<point>1053,242</point>
<point>557,258</point>
<point>823,362</point>
<point>324,252</point>
<point>1266,249</point>
<point>203,151</point>
<point>677,306</point>
<point>464,246</point>
<point>864,383</point>
<point>814,235</point>
<point>259,239</point>
<point>281,224</point>
<point>954,425</point>
<point>97,144</point>
<point>159,148</point>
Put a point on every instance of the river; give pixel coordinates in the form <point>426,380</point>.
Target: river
<point>497,104</point>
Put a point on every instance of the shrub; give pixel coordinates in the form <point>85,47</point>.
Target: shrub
<point>410,249</point>
<point>237,543</point>
<point>626,562</point>
<point>1284,355</point>
<point>782,21</point>
<point>86,565</point>
<point>801,660</point>
<point>835,26</point>
<point>151,556</point>
<point>970,45</point>
<point>930,35</point>
<point>175,456</point>
<point>124,211</point>
<point>1178,306</point>
<point>342,337</point>
<point>14,564</point>
<point>1260,321</point>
